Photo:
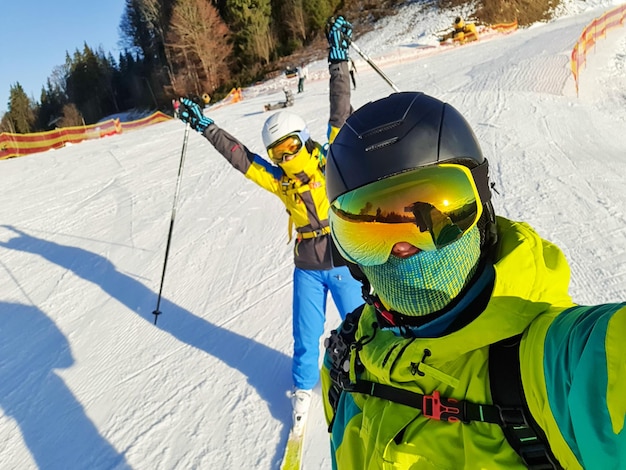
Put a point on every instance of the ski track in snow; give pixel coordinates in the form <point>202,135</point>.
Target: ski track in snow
<point>88,381</point>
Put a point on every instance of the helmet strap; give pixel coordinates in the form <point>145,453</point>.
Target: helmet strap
<point>359,275</point>
<point>480,174</point>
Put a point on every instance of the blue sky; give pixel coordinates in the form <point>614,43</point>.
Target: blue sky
<point>36,34</point>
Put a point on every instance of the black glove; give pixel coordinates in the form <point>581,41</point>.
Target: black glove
<point>191,112</point>
<point>339,35</point>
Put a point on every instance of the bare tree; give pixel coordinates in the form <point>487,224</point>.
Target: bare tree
<point>71,116</point>
<point>199,38</point>
<point>293,20</point>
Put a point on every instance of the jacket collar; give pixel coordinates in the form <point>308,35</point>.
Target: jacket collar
<point>530,276</point>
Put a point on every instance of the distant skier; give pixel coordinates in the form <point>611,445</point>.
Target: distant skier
<point>295,173</point>
<point>289,100</point>
<point>303,74</point>
<point>462,32</point>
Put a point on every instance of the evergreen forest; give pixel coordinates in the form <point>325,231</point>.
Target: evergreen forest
<point>174,48</point>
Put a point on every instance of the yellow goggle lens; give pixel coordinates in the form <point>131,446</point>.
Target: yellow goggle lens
<point>287,146</point>
<point>430,208</point>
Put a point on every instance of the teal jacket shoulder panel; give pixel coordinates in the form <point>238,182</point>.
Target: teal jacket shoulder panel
<point>347,410</point>
<point>582,365</point>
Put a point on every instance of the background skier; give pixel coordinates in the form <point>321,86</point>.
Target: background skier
<point>303,74</point>
<point>295,173</point>
<point>462,32</point>
<point>289,100</point>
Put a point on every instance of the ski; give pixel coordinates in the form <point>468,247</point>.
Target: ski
<point>292,459</point>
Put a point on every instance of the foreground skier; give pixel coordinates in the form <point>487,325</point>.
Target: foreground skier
<point>470,353</point>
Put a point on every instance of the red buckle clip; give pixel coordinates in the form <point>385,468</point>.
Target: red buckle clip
<point>443,409</point>
<point>384,313</point>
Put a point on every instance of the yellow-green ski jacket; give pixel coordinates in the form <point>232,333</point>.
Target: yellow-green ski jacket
<point>573,365</point>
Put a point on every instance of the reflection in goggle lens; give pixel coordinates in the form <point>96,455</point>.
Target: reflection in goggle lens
<point>429,207</point>
<point>288,145</point>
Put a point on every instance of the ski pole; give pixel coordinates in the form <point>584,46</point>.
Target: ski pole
<point>374,66</point>
<point>157,312</point>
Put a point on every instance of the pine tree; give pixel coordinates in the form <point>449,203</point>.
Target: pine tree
<point>21,116</point>
<point>318,12</point>
<point>250,22</point>
<point>51,104</point>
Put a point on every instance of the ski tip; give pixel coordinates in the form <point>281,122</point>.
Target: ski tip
<point>292,460</point>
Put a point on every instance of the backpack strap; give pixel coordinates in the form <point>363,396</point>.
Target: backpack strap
<point>509,409</point>
<point>526,438</point>
<point>432,406</point>
<point>342,350</point>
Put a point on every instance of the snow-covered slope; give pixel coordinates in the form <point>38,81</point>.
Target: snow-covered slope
<point>87,381</point>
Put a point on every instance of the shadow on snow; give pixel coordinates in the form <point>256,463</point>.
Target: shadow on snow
<point>39,415</point>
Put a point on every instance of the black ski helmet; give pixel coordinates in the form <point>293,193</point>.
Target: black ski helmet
<point>402,132</point>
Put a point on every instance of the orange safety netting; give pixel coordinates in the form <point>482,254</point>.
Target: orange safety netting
<point>234,96</point>
<point>18,145</point>
<point>504,27</point>
<point>596,29</point>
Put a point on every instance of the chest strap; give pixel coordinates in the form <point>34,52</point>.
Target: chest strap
<point>534,452</point>
<point>510,412</point>
<point>292,188</point>
<point>437,407</point>
<point>313,234</point>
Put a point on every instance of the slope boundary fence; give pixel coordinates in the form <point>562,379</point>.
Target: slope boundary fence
<point>19,145</point>
<point>595,30</point>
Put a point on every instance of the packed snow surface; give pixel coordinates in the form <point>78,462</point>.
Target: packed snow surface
<point>88,381</point>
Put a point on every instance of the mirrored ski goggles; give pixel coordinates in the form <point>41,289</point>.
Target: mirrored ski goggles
<point>430,208</point>
<point>285,147</point>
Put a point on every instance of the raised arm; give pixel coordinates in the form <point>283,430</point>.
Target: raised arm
<point>339,35</point>
<point>253,166</point>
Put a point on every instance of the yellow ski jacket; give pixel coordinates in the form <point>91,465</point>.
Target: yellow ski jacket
<point>303,195</point>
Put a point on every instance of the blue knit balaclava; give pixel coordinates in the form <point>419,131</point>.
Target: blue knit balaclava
<point>428,281</point>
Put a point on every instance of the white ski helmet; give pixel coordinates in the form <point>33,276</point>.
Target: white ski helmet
<point>282,124</point>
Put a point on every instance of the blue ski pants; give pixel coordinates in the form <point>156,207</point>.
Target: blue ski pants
<point>310,290</point>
